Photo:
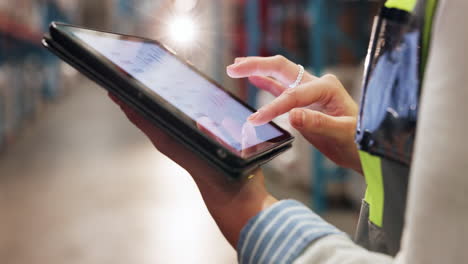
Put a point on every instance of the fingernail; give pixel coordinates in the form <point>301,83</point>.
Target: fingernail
<point>298,117</point>
<point>234,65</point>
<point>254,116</point>
<point>237,60</point>
<point>230,68</point>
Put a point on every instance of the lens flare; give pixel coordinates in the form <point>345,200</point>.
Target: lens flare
<point>182,30</point>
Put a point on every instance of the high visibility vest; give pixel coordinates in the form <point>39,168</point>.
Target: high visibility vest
<point>393,78</point>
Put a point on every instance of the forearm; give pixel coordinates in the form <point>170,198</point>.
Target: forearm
<point>231,202</point>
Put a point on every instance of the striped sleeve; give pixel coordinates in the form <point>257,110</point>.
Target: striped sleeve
<point>280,233</point>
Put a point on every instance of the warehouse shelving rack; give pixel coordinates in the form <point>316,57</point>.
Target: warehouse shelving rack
<point>22,55</point>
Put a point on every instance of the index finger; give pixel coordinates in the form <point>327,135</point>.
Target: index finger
<point>278,67</point>
<point>303,95</point>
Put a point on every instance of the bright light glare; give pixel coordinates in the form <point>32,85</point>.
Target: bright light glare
<point>182,29</point>
<point>185,5</point>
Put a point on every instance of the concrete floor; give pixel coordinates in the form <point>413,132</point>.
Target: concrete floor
<point>82,185</point>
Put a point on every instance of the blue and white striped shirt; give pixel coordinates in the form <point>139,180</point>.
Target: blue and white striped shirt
<point>280,233</point>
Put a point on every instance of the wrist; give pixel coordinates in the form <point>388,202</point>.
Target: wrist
<point>232,203</point>
<point>247,207</point>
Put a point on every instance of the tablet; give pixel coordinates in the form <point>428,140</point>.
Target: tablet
<point>173,94</point>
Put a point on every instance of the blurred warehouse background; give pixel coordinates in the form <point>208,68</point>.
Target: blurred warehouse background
<point>80,184</point>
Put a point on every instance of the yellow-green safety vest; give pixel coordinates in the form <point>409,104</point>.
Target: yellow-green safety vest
<point>393,79</point>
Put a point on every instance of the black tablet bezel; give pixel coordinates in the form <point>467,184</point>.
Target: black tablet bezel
<point>63,30</point>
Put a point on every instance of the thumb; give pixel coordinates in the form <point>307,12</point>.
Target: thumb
<point>310,122</point>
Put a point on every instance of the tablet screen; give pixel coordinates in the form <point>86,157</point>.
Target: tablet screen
<point>214,111</point>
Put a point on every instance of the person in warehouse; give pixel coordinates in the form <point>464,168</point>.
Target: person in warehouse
<point>407,139</point>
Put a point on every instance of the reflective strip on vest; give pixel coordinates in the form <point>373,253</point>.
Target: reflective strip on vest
<point>372,169</point>
<point>405,5</point>
<point>429,15</point>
